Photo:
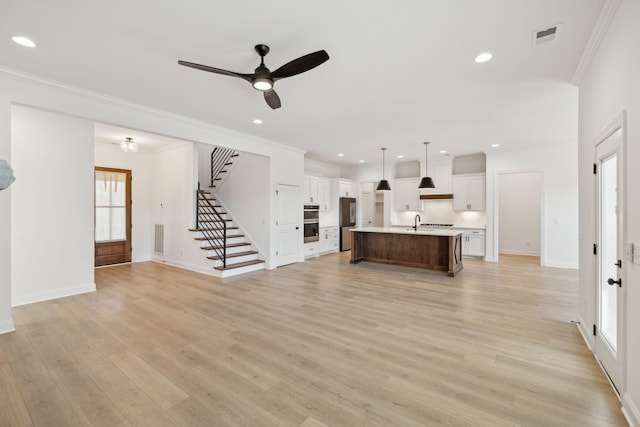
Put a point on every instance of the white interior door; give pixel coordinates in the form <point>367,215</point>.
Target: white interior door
<point>287,224</point>
<point>610,255</point>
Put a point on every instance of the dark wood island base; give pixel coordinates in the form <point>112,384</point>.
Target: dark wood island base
<point>435,251</point>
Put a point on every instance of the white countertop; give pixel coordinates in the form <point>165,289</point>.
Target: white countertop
<point>409,230</point>
<point>455,227</point>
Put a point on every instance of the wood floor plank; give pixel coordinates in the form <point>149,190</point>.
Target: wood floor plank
<point>138,408</point>
<point>13,411</point>
<point>154,384</point>
<point>88,400</point>
<point>319,343</point>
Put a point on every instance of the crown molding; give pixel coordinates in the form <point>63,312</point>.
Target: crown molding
<point>19,75</point>
<point>599,30</point>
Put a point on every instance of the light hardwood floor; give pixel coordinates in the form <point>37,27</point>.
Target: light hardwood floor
<point>321,343</point>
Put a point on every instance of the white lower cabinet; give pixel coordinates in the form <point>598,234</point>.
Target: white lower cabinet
<point>311,249</point>
<point>329,240</point>
<point>473,242</point>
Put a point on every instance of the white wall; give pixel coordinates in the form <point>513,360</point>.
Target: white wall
<point>558,167</point>
<point>173,205</point>
<point>140,164</point>
<point>519,213</point>
<point>6,321</point>
<point>52,203</point>
<point>203,152</point>
<point>609,87</point>
<point>243,192</point>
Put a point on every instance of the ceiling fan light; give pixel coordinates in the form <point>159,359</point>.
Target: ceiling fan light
<point>263,84</point>
<point>426,182</point>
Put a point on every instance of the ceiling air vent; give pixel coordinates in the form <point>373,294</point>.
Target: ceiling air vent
<point>546,35</point>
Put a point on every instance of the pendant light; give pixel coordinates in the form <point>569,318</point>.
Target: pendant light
<point>426,182</point>
<point>383,185</point>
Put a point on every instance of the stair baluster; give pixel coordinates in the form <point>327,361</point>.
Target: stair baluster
<point>206,213</point>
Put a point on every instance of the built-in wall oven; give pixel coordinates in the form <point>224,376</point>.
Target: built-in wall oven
<point>311,223</point>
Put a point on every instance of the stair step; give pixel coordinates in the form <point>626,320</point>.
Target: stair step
<point>235,155</point>
<point>240,264</point>
<point>231,245</point>
<point>212,229</point>
<point>213,220</point>
<point>233,255</point>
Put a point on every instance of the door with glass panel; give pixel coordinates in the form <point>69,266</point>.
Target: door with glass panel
<point>112,216</point>
<point>610,255</point>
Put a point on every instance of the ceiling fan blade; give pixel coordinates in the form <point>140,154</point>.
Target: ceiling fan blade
<point>300,65</point>
<point>272,99</point>
<point>246,77</point>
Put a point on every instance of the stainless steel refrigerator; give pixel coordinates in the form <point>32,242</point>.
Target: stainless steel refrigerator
<point>347,221</point>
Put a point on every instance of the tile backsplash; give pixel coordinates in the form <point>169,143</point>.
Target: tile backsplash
<point>441,212</point>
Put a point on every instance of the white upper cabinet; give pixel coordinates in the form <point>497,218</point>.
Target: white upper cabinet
<point>439,169</point>
<point>346,188</point>
<point>469,192</point>
<point>311,189</point>
<point>324,194</point>
<point>407,195</point>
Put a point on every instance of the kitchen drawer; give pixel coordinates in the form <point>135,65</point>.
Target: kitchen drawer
<point>311,249</point>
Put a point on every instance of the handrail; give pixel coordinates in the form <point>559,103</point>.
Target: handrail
<point>219,159</point>
<point>207,214</point>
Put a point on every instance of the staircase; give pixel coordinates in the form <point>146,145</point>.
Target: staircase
<point>230,252</point>
<point>221,159</point>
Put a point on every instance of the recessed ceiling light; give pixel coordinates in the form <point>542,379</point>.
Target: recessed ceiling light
<point>400,156</point>
<point>495,145</point>
<point>361,161</point>
<point>23,41</point>
<point>340,154</point>
<point>443,151</point>
<point>483,57</point>
<point>257,121</point>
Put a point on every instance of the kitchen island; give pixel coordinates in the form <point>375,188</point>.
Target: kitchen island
<point>434,249</point>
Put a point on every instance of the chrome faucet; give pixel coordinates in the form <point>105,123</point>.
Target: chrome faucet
<point>415,222</point>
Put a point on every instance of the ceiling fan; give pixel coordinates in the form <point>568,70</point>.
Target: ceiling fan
<point>263,79</point>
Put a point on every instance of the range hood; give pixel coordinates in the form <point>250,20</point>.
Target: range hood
<point>436,196</point>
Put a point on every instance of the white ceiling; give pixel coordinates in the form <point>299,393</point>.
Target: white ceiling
<point>400,72</point>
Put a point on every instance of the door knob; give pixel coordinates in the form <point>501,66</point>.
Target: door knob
<point>618,282</point>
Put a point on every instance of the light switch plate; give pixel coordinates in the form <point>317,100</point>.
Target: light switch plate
<point>635,253</point>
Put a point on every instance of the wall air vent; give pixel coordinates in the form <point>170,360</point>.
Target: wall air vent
<point>158,245</point>
<point>546,35</point>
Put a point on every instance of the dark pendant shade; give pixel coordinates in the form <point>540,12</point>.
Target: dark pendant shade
<point>426,182</point>
<point>383,185</point>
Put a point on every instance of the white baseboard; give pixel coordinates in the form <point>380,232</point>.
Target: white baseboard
<point>191,267</point>
<point>630,411</point>
<point>584,330</point>
<point>7,326</point>
<point>559,264</point>
<point>17,300</point>
<point>517,252</point>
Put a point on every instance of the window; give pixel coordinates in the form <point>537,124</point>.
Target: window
<point>110,206</point>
